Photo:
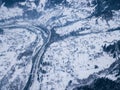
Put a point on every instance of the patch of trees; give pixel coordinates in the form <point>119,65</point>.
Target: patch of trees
<point>113,49</point>
<point>10,3</point>
<point>101,84</point>
<point>104,8</point>
<point>51,3</point>
<point>1,31</point>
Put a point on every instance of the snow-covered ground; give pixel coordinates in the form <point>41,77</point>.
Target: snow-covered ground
<point>76,58</point>
<point>73,58</point>
<point>13,42</point>
<point>6,13</point>
<point>16,48</point>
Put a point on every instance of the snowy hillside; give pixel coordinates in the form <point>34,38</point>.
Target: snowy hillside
<point>59,44</point>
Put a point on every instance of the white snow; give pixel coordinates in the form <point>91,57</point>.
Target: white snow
<point>76,57</point>
<point>13,42</point>
<point>70,59</point>
<point>6,13</point>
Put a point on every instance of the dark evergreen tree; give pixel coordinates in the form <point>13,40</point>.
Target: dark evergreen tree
<point>113,49</point>
<point>10,3</point>
<point>104,8</point>
<point>101,84</point>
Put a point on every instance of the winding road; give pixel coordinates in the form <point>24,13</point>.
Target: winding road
<point>38,51</point>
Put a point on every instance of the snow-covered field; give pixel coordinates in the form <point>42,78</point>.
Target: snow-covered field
<point>76,58</point>
<point>16,48</point>
<point>26,50</point>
